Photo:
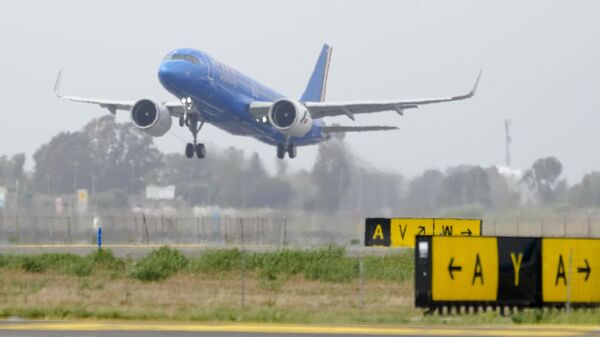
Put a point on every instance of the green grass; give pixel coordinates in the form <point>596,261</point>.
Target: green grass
<point>160,264</point>
<point>328,264</point>
<point>289,272</point>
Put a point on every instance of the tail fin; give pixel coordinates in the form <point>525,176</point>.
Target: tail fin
<point>315,90</point>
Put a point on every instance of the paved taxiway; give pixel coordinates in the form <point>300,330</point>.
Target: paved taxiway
<point>155,329</point>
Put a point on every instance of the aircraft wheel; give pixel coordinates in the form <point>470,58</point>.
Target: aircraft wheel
<point>280,151</point>
<point>181,121</point>
<point>200,151</point>
<point>189,150</point>
<point>291,150</point>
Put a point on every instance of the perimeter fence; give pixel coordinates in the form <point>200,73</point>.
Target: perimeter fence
<point>305,230</point>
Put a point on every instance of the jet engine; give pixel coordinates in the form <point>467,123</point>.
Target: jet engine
<point>290,117</point>
<point>151,116</point>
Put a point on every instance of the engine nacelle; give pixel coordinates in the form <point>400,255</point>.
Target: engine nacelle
<point>290,117</point>
<point>151,116</point>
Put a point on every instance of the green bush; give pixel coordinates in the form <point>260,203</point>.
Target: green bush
<point>67,264</point>
<point>159,265</point>
<point>104,259</point>
<point>32,265</point>
<point>214,260</point>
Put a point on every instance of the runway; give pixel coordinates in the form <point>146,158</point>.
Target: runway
<point>165,329</point>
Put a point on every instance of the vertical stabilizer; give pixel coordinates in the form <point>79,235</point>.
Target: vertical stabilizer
<point>315,90</point>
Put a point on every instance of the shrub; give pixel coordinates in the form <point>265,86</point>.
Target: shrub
<point>159,265</point>
<point>220,260</point>
<point>105,260</point>
<point>32,265</point>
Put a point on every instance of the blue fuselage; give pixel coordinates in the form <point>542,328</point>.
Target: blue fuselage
<point>221,96</point>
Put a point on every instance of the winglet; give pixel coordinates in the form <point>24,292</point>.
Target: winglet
<point>317,84</point>
<point>57,84</point>
<point>472,93</point>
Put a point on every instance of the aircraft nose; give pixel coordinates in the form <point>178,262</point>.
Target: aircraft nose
<point>168,75</point>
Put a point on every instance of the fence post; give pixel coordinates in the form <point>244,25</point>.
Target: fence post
<point>68,229</point>
<point>569,280</point>
<point>18,229</point>
<point>361,274</point>
<point>283,239</point>
<point>242,266</point>
<point>146,234</point>
<point>589,229</point>
<point>197,229</point>
<point>35,230</point>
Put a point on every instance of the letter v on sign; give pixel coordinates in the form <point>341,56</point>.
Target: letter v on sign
<point>405,230</point>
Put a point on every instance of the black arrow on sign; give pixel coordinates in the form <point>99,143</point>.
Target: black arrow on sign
<point>587,270</point>
<point>452,268</point>
<point>421,230</point>
<point>467,232</point>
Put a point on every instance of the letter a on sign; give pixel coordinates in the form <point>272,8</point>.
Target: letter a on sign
<point>560,273</point>
<point>378,233</point>
<point>478,273</point>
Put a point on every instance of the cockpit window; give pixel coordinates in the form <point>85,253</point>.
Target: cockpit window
<point>184,57</point>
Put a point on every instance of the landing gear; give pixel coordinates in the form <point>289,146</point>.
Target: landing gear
<point>280,151</point>
<point>290,149</point>
<point>189,150</point>
<point>192,120</point>
<point>200,151</point>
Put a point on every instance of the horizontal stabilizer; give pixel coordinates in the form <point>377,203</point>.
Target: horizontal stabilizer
<point>337,128</point>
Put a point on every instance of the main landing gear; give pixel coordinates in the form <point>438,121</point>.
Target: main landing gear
<point>191,120</point>
<point>290,149</point>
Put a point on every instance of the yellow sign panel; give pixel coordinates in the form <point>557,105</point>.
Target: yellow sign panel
<point>570,270</point>
<point>464,268</point>
<point>457,227</point>
<point>82,196</point>
<point>404,231</point>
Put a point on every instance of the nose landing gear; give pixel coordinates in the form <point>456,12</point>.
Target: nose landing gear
<point>192,120</point>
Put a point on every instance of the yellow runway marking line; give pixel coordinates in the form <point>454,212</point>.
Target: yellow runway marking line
<point>303,329</point>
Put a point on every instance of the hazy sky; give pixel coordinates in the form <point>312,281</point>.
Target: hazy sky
<point>541,62</point>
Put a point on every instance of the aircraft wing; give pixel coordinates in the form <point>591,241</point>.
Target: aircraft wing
<point>349,109</point>
<point>338,128</point>
<point>175,108</point>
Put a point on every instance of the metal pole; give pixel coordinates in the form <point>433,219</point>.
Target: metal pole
<point>361,272</point>
<point>282,241</point>
<point>569,280</point>
<point>242,266</point>
<point>75,178</point>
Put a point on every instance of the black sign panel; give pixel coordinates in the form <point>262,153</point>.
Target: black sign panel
<point>519,276</point>
<point>377,232</point>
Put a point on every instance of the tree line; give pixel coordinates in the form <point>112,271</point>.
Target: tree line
<point>115,162</point>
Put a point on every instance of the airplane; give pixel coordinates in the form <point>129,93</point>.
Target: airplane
<point>212,92</point>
